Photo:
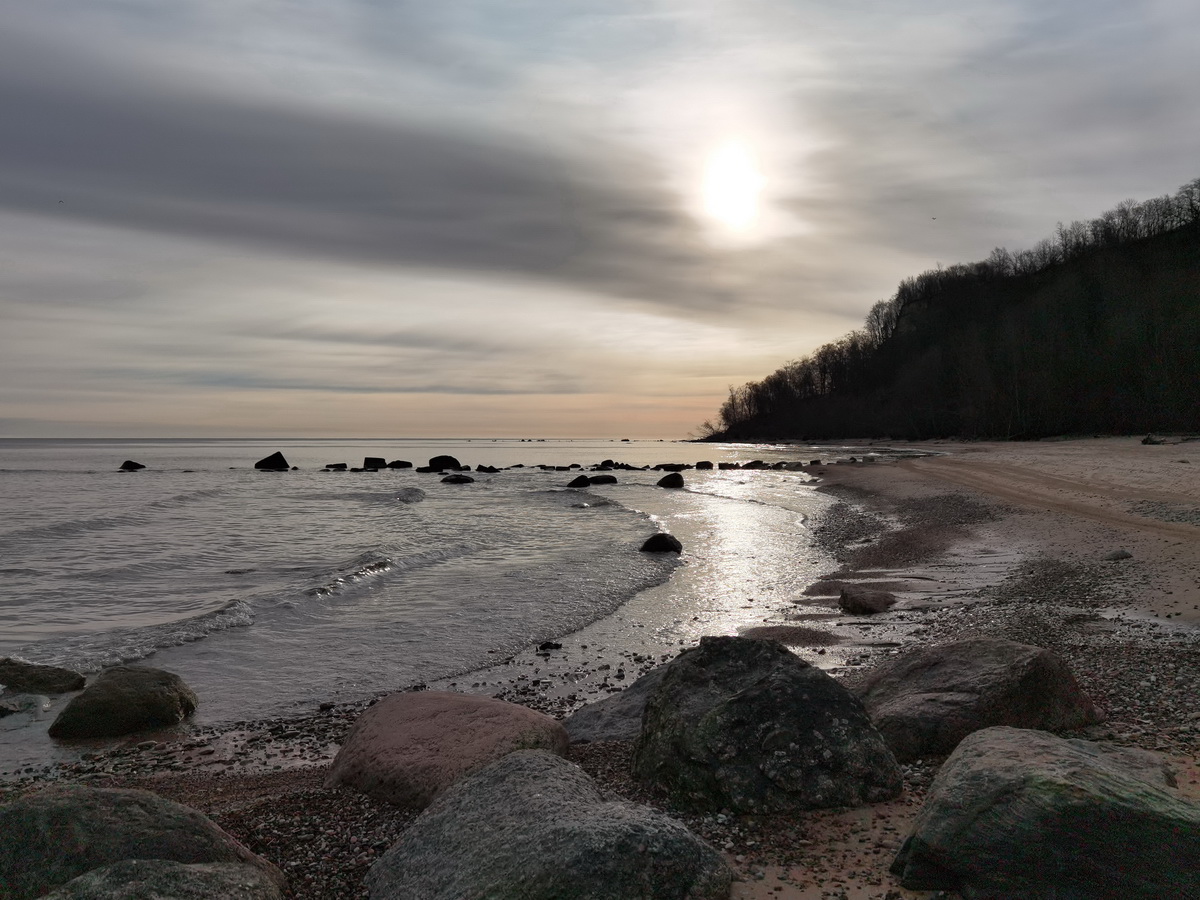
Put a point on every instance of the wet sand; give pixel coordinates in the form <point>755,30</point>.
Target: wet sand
<point>1009,540</point>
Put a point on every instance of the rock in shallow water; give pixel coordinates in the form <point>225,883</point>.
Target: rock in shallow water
<point>662,543</point>
<point>409,747</point>
<point>534,826</point>
<point>29,678</point>
<point>745,724</point>
<point>123,700</point>
<point>57,834</point>
<point>1016,813</point>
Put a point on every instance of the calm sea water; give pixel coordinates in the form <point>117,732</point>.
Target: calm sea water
<point>269,592</point>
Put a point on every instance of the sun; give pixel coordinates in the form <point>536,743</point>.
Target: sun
<point>732,187</point>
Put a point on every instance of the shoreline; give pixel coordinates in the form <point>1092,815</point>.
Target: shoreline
<point>1008,541</point>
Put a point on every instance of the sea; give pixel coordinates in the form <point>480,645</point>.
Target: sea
<point>270,592</point>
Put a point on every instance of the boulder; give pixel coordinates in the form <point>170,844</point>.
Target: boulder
<point>673,480</point>
<point>704,464</point>
<point>8,708</point>
<point>458,478</point>
<point>860,601</point>
<point>130,466</point>
<point>400,464</point>
<point>125,699</point>
<point>336,467</point>
<point>662,543</point>
<point>273,463</point>
<point>580,481</point>
<point>618,717</point>
<point>409,747</point>
<point>744,724</point>
<point>443,462</point>
<point>534,826</point>
<point>29,678</point>
<point>928,700</point>
<point>374,462</point>
<point>603,479</point>
<point>161,879</point>
<point>1023,814</point>
<point>61,832</point>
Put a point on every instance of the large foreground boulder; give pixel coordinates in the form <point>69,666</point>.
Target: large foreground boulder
<point>926,701</point>
<point>745,724</point>
<point>30,678</point>
<point>534,826</point>
<point>1015,813</point>
<point>409,747</point>
<point>618,717</point>
<point>161,879</point>
<point>57,834</point>
<point>123,700</point>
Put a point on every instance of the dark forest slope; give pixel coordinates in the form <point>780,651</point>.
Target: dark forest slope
<point>1096,330</point>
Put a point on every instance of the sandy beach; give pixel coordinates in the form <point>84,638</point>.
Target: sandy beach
<point>1008,540</point>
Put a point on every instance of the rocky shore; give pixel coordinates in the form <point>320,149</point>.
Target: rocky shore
<point>1085,549</point>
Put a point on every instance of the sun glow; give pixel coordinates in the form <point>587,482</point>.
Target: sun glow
<point>732,185</point>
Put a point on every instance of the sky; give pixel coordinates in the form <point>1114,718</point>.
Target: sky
<point>565,218</point>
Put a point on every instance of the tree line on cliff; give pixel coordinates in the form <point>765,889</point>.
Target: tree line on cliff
<point>1096,329</point>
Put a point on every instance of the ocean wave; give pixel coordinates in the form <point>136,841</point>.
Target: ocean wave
<point>68,529</point>
<point>186,498</point>
<point>93,652</point>
<point>372,564</point>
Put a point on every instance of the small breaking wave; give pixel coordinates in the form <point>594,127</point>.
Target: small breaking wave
<point>93,652</point>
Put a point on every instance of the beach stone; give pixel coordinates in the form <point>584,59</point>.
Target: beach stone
<point>274,463</point>
<point>125,699</point>
<point>336,467</point>
<point>130,466</point>
<point>662,543</point>
<point>409,747</point>
<point>1118,555</point>
<point>1021,813</point>
<point>618,717</point>
<point>860,601</point>
<point>30,678</point>
<point>61,832</point>
<point>745,724</point>
<point>926,701</point>
<point>673,480</point>
<point>704,464</point>
<point>374,462</point>
<point>603,479</point>
<point>439,463</point>
<point>161,879</point>
<point>8,708</point>
<point>579,481</point>
<point>458,478</point>
<point>534,826</point>
<point>400,464</point>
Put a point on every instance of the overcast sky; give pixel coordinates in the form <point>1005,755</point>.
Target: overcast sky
<point>527,217</point>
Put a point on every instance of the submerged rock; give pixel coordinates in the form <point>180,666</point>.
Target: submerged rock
<point>130,466</point>
<point>744,724</point>
<point>458,478</point>
<point>534,826</point>
<point>928,700</point>
<point>409,747</point>
<point>1021,813</point>
<point>125,699</point>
